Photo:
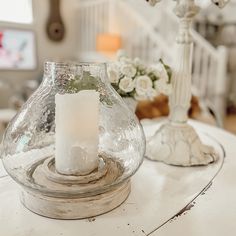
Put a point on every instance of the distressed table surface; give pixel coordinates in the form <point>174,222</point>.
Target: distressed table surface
<point>165,200</point>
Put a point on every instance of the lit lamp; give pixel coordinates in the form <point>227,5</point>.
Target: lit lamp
<point>74,145</point>
<point>108,44</point>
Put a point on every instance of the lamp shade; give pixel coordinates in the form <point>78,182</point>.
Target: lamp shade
<point>108,43</point>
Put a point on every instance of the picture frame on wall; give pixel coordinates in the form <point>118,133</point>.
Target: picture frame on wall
<point>17,49</point>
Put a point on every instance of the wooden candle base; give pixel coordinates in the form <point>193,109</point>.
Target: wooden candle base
<point>76,207</point>
<point>74,197</point>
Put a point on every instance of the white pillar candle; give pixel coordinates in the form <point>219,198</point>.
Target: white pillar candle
<point>77,117</point>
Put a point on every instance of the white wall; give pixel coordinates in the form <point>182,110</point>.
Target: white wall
<point>46,49</point>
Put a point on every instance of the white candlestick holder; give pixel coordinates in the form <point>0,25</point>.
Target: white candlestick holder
<point>176,142</point>
<point>74,145</point>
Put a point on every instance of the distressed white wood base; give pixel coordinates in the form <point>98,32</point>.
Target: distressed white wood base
<point>179,144</point>
<point>75,207</point>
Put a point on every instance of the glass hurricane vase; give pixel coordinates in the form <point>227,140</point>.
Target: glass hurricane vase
<point>66,184</point>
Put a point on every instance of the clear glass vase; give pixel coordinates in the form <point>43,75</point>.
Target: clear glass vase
<point>53,141</point>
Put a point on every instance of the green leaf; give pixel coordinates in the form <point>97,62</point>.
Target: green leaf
<point>88,82</point>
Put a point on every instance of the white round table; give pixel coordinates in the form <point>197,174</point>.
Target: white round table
<point>164,200</point>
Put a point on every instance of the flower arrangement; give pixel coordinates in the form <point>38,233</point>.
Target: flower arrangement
<point>132,78</point>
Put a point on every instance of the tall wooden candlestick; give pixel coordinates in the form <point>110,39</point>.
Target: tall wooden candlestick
<point>176,142</point>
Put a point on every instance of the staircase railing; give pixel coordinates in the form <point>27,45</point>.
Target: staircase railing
<point>112,16</point>
<point>93,19</point>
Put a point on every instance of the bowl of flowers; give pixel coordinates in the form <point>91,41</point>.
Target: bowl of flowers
<point>135,81</point>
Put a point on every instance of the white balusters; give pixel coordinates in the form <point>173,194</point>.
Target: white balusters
<point>94,19</point>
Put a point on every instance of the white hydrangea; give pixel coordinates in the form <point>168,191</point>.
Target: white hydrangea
<point>126,84</point>
<point>142,85</point>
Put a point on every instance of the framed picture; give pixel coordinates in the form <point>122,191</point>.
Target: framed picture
<point>17,49</point>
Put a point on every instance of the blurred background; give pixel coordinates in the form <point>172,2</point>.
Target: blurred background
<point>33,31</point>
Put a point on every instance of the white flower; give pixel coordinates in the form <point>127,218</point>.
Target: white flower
<point>125,60</point>
<point>113,73</point>
<point>149,95</point>
<point>142,85</point>
<point>139,64</point>
<point>121,54</point>
<point>159,71</point>
<point>167,90</point>
<point>153,2</point>
<point>137,61</point>
<point>140,97</point>
<point>163,86</point>
<point>128,70</point>
<point>126,84</point>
